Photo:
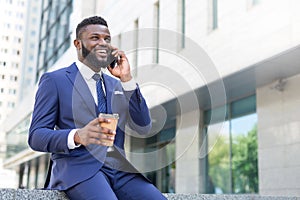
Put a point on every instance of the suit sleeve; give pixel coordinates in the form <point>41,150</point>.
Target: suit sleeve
<point>139,115</point>
<point>42,134</point>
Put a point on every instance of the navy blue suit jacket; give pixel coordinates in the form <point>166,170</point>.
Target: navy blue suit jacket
<point>64,102</point>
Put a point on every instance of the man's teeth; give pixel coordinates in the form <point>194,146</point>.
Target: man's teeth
<point>102,51</point>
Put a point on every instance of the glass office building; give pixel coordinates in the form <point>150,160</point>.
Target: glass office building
<point>54,40</point>
<point>55,33</point>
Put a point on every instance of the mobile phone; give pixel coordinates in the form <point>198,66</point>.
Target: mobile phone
<point>113,61</point>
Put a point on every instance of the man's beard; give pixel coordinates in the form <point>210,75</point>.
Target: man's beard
<point>92,59</point>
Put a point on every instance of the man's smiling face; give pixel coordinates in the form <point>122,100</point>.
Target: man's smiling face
<point>95,48</point>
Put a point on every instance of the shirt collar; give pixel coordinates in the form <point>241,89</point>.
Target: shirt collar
<point>86,72</point>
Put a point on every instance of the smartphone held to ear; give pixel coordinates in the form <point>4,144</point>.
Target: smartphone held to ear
<point>113,61</point>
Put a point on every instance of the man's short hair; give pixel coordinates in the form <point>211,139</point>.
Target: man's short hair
<point>88,21</point>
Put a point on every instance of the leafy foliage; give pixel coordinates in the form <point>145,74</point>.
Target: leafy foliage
<point>243,164</point>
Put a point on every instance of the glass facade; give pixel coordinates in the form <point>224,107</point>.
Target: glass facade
<point>163,178</point>
<point>231,162</point>
<point>54,33</point>
<point>16,138</point>
<point>232,152</point>
<point>32,174</point>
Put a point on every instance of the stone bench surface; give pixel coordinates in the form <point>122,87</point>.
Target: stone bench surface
<point>19,194</point>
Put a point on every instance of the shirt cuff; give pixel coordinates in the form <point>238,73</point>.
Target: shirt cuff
<point>71,143</point>
<point>129,85</point>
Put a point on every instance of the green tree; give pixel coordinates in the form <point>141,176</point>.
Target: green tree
<point>219,171</point>
<point>244,162</point>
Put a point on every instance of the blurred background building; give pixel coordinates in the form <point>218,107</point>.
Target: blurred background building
<point>11,43</point>
<point>244,139</point>
<point>19,39</point>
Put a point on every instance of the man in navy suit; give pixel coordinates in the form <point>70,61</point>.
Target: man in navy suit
<point>65,121</point>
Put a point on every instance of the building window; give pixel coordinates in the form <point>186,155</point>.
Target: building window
<point>16,52</point>
<point>18,27</point>
<point>15,65</point>
<point>12,91</point>
<point>164,143</point>
<point>232,151</point>
<point>213,14</point>
<point>4,50</point>
<point>156,32</point>
<point>252,3</point>
<point>10,104</point>
<point>136,46</point>
<point>17,40</point>
<point>255,2</point>
<point>3,63</point>
<point>32,33</point>
<point>182,22</point>
<point>13,78</point>
<point>6,38</point>
<point>7,26</point>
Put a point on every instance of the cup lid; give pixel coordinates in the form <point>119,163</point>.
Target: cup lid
<point>105,115</point>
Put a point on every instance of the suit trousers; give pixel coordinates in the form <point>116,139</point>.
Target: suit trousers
<point>109,183</point>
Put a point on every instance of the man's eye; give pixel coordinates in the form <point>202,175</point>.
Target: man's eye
<point>107,40</point>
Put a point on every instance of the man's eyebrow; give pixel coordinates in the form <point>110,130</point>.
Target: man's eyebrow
<point>96,33</point>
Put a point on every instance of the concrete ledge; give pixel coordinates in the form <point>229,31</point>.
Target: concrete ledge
<point>225,197</point>
<point>19,194</point>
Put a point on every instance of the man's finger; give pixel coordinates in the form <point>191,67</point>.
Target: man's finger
<point>94,122</point>
<point>103,120</point>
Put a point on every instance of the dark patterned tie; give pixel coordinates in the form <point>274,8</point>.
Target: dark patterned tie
<point>100,94</point>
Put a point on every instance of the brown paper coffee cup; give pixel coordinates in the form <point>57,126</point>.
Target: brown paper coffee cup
<point>112,125</point>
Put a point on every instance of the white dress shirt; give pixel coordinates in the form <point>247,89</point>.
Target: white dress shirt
<point>87,74</point>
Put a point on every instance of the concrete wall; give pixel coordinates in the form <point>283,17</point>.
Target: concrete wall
<point>279,138</point>
<point>245,35</point>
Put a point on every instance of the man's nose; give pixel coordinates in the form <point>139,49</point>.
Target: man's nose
<point>102,41</point>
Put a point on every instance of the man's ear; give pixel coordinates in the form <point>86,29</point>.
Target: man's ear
<point>77,44</point>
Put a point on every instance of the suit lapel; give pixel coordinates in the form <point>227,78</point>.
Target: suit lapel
<point>80,88</point>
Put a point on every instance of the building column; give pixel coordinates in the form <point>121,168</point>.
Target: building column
<point>278,128</point>
<point>187,153</point>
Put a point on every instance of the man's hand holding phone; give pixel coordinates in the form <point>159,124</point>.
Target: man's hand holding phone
<point>121,69</point>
